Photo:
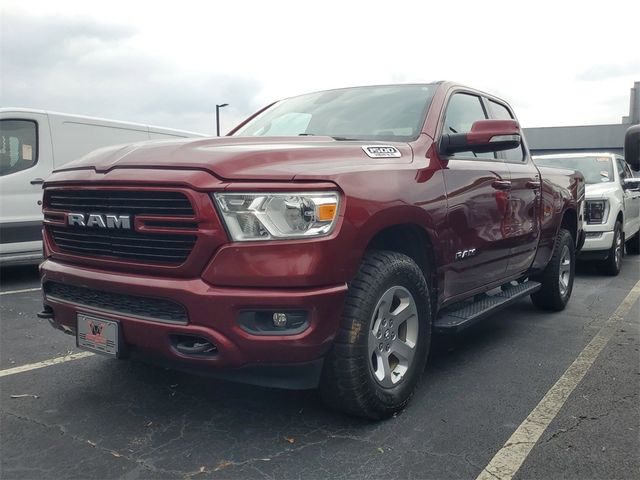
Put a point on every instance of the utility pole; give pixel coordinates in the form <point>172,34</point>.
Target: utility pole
<point>218,107</point>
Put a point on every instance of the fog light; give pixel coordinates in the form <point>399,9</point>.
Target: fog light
<point>270,322</point>
<point>280,320</point>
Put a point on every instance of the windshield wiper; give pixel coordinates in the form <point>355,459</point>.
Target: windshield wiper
<point>335,138</point>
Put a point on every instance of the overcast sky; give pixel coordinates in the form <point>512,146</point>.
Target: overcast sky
<point>169,63</point>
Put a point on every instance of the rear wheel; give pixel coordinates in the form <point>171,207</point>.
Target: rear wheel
<point>381,349</point>
<point>557,277</point>
<point>611,266</point>
<point>633,244</point>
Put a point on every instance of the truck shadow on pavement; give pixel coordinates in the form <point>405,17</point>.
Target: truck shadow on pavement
<point>158,395</point>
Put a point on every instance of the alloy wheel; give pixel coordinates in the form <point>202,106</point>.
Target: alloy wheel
<point>393,336</point>
<point>618,249</point>
<point>564,276</point>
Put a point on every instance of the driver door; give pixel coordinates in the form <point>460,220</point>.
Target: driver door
<point>477,187</point>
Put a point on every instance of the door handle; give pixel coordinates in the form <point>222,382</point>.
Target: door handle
<point>533,184</point>
<point>501,184</point>
<point>37,181</point>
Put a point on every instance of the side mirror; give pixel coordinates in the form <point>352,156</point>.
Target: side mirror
<point>632,147</point>
<point>631,183</point>
<point>485,136</point>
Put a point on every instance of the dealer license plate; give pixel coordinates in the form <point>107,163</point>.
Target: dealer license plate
<point>98,335</point>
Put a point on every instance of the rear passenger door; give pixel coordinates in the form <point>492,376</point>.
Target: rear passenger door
<point>522,222</point>
<point>477,187</point>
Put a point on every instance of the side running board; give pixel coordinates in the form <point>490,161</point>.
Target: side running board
<point>461,315</point>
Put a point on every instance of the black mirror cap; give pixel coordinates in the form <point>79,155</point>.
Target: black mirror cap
<point>632,147</point>
<point>631,183</point>
<point>451,143</point>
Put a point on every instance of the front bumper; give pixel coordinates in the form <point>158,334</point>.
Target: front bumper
<point>595,241</point>
<point>212,314</point>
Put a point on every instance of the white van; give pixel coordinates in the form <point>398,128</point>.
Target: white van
<point>32,144</point>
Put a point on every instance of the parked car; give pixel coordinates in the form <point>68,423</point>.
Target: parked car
<point>612,205</point>
<point>318,245</point>
<point>32,144</point>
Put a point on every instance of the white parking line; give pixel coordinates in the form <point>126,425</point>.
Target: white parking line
<point>512,455</point>
<point>45,363</point>
<point>24,290</point>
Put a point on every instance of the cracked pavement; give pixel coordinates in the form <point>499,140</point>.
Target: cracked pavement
<point>101,418</point>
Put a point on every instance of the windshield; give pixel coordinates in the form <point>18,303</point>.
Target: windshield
<point>595,169</point>
<point>18,148</point>
<point>388,113</point>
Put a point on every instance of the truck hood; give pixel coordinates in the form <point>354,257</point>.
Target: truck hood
<point>599,191</point>
<point>243,158</point>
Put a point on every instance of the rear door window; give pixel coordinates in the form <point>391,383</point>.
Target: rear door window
<point>18,145</point>
<point>501,112</point>
<point>464,109</point>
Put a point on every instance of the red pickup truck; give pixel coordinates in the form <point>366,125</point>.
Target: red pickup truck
<point>319,244</point>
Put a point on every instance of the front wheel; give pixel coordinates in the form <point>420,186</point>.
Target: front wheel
<point>381,348</point>
<point>557,277</point>
<point>611,266</point>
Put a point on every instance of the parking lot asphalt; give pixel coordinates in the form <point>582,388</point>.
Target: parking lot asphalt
<point>99,418</point>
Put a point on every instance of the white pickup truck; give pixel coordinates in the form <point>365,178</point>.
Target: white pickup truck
<point>612,210</point>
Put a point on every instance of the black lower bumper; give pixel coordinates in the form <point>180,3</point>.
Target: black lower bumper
<point>294,376</point>
<point>593,255</point>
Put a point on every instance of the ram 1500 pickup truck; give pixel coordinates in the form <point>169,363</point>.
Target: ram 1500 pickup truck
<point>319,244</point>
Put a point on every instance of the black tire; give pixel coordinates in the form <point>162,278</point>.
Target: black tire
<point>553,296</point>
<point>633,244</point>
<point>348,380</point>
<point>612,264</point>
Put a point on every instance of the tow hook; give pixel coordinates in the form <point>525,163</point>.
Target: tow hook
<point>46,313</point>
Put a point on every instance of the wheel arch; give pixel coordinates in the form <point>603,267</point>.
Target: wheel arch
<point>570,222</point>
<point>414,241</point>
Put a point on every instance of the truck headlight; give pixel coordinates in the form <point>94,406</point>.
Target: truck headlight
<point>597,211</point>
<point>272,216</point>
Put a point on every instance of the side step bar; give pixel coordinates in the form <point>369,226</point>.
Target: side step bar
<point>464,314</point>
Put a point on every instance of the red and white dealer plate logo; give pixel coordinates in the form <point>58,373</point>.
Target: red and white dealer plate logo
<point>97,333</point>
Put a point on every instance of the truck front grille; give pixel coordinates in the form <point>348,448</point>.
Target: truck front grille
<point>151,238</point>
<point>125,244</point>
<point>120,202</point>
<point>131,305</point>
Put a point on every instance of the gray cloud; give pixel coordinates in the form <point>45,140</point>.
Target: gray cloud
<point>78,65</point>
<point>605,72</point>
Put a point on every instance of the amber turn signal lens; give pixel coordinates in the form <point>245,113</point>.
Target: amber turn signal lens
<point>326,212</point>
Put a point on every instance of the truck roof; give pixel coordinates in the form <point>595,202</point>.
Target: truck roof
<point>576,155</point>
